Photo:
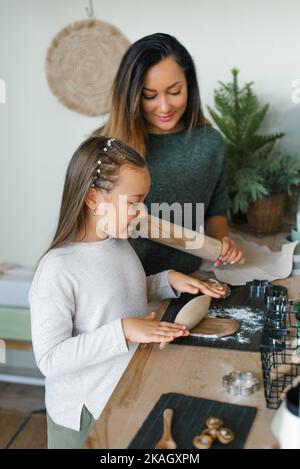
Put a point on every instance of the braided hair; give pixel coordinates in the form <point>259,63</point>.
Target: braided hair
<point>95,164</point>
<point>113,154</point>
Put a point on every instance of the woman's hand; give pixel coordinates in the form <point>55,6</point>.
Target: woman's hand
<point>146,330</point>
<point>217,227</point>
<point>186,283</point>
<point>231,252</point>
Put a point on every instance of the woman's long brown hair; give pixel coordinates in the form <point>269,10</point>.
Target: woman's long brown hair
<point>82,175</point>
<point>126,121</point>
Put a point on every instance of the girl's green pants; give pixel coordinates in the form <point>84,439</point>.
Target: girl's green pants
<point>64,438</point>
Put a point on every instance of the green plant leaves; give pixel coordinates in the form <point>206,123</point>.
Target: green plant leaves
<point>248,186</point>
<point>253,171</point>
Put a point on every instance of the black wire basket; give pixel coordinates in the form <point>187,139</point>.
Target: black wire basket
<point>280,345</point>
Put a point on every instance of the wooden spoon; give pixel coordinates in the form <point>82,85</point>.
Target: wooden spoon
<point>166,441</point>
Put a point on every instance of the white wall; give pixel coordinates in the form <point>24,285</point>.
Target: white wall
<point>38,134</point>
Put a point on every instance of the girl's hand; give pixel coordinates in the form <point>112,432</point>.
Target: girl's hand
<point>186,283</point>
<point>146,330</point>
<point>231,252</point>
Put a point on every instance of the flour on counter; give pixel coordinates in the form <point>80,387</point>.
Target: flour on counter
<point>206,336</point>
<point>251,322</point>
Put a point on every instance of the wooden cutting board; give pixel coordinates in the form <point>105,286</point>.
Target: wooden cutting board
<point>216,327</point>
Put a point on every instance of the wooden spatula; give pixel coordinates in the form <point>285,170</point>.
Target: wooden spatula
<point>166,441</point>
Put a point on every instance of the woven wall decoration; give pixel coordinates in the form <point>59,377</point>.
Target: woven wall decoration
<point>81,64</point>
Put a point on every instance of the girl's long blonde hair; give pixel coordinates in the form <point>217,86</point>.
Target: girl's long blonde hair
<point>126,121</point>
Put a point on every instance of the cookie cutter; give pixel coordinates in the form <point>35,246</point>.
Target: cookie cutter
<point>276,294</point>
<point>238,383</point>
<point>273,340</point>
<point>258,287</point>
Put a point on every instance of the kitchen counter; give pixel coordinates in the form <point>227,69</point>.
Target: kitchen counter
<point>189,370</point>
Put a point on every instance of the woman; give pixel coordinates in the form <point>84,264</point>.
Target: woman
<point>156,109</point>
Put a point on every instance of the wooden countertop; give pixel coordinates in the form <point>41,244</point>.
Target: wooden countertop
<point>189,370</point>
<point>195,371</point>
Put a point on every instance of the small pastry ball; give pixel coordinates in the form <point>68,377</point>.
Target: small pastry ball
<point>214,422</point>
<point>213,432</point>
<point>225,435</point>
<point>203,441</point>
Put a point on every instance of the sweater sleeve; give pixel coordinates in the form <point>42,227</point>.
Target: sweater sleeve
<point>158,287</point>
<point>57,352</point>
<point>219,203</point>
<point>57,347</point>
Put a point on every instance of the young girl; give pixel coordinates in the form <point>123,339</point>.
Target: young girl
<point>89,295</point>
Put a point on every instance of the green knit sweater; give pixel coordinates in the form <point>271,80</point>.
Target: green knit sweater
<point>183,168</point>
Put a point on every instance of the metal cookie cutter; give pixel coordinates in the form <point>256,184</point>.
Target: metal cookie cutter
<point>276,294</point>
<point>238,383</point>
<point>257,287</point>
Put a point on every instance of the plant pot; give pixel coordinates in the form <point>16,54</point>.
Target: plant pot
<point>238,218</point>
<point>265,216</point>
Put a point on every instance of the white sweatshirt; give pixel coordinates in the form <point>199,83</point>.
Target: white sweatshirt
<point>79,294</point>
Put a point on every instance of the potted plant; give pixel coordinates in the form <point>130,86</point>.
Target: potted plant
<point>259,177</point>
<point>281,175</point>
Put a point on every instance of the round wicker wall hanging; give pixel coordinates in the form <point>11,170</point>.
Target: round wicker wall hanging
<point>81,64</point>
